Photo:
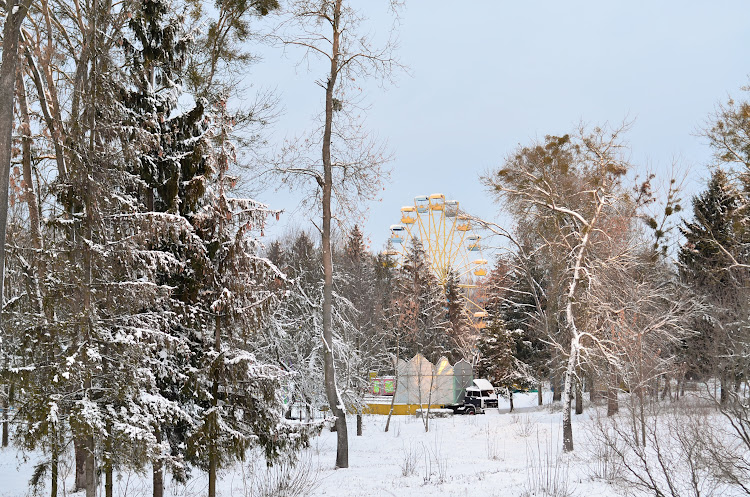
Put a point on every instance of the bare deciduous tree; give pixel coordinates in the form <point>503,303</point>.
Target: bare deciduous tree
<point>349,167</point>
<point>15,14</point>
<point>568,189</point>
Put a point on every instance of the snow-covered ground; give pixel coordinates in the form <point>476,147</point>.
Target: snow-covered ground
<point>496,454</point>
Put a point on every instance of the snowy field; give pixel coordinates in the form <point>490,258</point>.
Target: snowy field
<point>496,454</point>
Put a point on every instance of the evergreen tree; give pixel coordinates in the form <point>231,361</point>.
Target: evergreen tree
<point>356,283</point>
<point>171,154</point>
<point>141,348</point>
<point>710,261</point>
<point>238,393</point>
<point>505,347</point>
<point>458,313</point>
<point>418,309</point>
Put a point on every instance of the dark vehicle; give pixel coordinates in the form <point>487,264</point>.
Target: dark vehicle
<point>479,396</point>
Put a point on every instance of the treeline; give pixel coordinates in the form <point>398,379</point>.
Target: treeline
<point>382,310</point>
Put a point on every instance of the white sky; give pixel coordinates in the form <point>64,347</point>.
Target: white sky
<point>488,77</point>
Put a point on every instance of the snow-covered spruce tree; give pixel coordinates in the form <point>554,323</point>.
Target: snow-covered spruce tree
<point>504,350</point>
<point>92,241</point>
<point>418,310</point>
<point>118,360</point>
<point>519,292</point>
<point>115,306</point>
<point>238,394</point>
<point>168,161</point>
<point>356,283</point>
<point>106,299</point>
<point>169,148</point>
<point>463,335</point>
<point>713,260</point>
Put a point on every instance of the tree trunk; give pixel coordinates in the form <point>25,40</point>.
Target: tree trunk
<point>359,424</point>
<point>592,388</point>
<point>666,393</point>
<point>579,397</point>
<point>642,414</point>
<point>510,399</point>
<point>80,456</point>
<point>54,467</point>
<point>6,424</point>
<point>90,466</point>
<point>107,462</point>
<point>556,387</point>
<point>612,387</point>
<point>213,456</point>
<point>108,479</point>
<point>426,416</point>
<point>539,388</point>
<point>335,402</point>
<point>393,399</point>
<point>32,202</point>
<point>724,389</point>
<point>11,35</point>
<point>158,470</point>
<point>52,117</point>
<point>568,397</point>
<point>88,440</point>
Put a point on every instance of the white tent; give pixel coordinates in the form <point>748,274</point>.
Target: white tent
<point>421,382</point>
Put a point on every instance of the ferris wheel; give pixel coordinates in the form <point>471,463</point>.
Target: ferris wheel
<point>450,244</point>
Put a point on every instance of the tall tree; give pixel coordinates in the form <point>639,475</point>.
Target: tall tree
<point>356,283</point>
<point>570,184</point>
<point>418,309</point>
<point>15,12</point>
<point>713,260</point>
<point>349,166</point>
<point>140,264</point>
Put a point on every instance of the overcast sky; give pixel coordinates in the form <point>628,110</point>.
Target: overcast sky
<point>486,76</point>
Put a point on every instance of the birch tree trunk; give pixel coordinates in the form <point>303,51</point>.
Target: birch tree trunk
<point>5,406</point>
<point>570,323</point>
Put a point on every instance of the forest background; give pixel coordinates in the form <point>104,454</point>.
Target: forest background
<point>147,325</point>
